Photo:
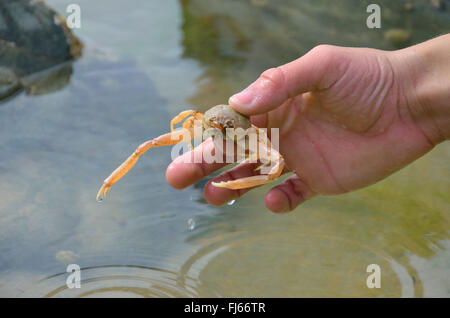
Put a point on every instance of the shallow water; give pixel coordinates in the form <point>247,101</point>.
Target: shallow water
<point>138,71</point>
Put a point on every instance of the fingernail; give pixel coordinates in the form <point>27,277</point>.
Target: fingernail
<point>244,98</point>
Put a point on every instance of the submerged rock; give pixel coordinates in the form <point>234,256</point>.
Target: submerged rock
<point>47,81</point>
<point>9,83</point>
<point>33,37</point>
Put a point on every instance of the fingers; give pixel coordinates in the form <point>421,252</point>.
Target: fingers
<point>282,198</point>
<point>288,195</point>
<point>183,171</point>
<point>219,196</point>
<point>276,85</point>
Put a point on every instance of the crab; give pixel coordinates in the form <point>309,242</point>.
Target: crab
<point>221,118</point>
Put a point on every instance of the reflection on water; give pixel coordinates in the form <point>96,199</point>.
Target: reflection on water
<point>149,240</point>
<point>124,281</point>
<point>236,40</point>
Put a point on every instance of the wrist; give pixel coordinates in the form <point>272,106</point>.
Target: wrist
<point>423,72</point>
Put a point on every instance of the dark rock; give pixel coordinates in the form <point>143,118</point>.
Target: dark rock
<point>33,37</point>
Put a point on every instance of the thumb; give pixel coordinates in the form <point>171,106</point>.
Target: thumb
<point>276,85</point>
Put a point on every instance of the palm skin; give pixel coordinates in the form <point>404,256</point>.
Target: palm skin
<point>357,119</point>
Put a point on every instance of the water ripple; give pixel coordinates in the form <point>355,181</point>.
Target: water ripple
<point>122,281</point>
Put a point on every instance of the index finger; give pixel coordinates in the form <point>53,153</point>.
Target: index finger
<point>184,171</point>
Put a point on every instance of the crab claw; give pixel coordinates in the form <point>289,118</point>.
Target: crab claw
<point>119,173</point>
<point>103,192</point>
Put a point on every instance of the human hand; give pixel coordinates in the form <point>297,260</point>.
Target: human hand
<point>347,118</point>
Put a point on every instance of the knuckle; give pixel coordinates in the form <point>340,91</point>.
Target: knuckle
<point>323,49</point>
<point>326,59</point>
<point>273,78</point>
<point>325,53</point>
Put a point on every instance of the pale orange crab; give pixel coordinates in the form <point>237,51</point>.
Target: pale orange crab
<point>221,117</point>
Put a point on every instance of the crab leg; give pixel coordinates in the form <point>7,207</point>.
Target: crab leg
<point>188,124</point>
<point>183,115</point>
<point>168,139</point>
<point>269,156</point>
<point>253,181</point>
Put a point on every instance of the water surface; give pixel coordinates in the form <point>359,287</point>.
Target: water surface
<point>140,69</point>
